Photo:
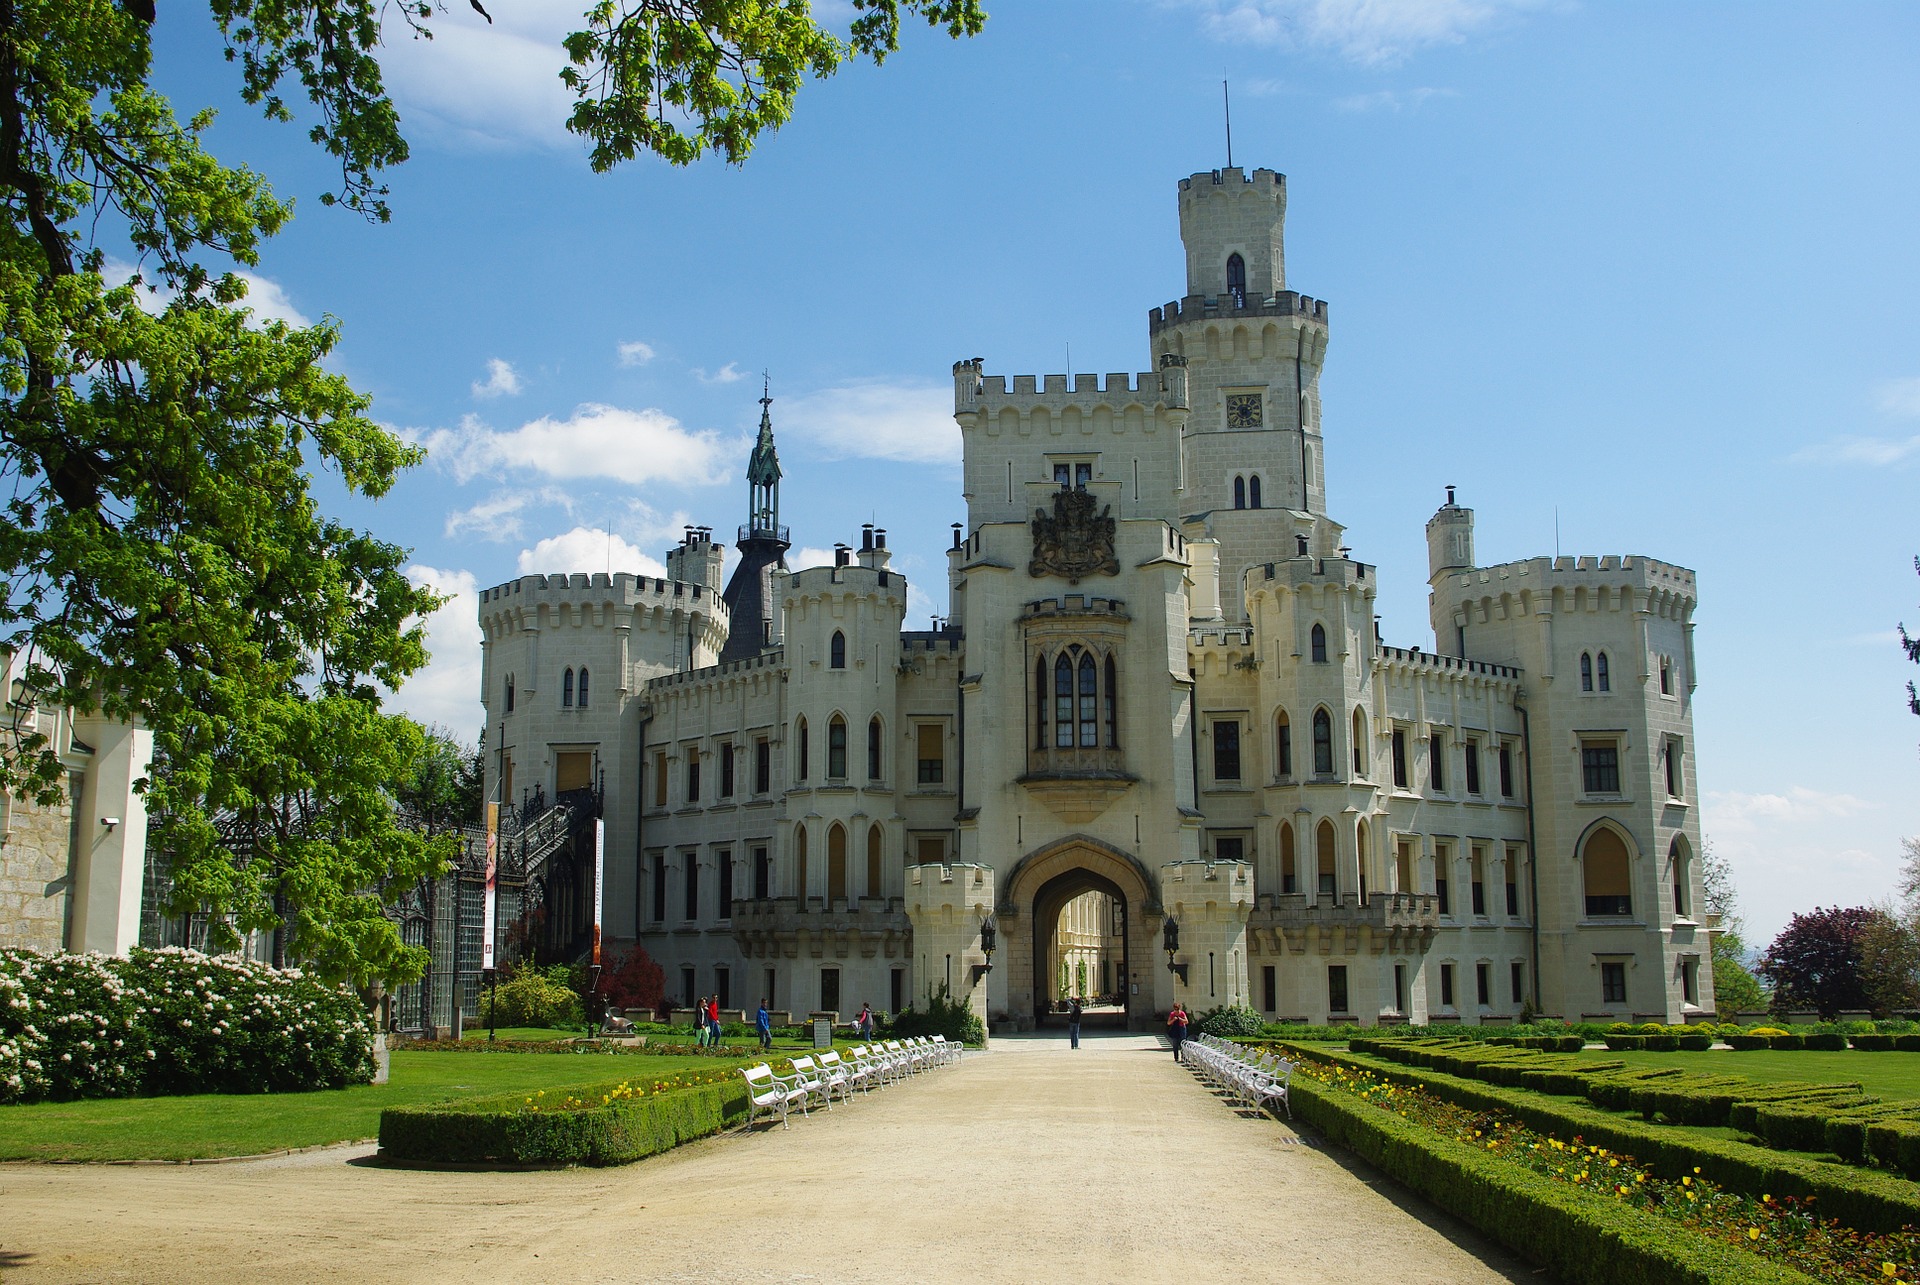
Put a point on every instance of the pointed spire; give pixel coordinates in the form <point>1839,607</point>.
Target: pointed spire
<point>763,466</point>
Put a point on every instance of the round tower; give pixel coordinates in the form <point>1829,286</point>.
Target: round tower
<point>1227,216</point>
<point>1449,539</point>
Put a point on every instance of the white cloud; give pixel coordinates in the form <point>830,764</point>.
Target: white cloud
<point>1877,452</point>
<point>908,422</point>
<point>635,353</point>
<point>485,85</point>
<point>447,690</point>
<point>727,374</point>
<point>266,298</point>
<point>807,556</point>
<point>1370,32</point>
<point>1736,812</point>
<point>1899,397</point>
<point>498,517</point>
<point>587,549</point>
<point>1390,100</point>
<point>630,446</point>
<point>501,381</point>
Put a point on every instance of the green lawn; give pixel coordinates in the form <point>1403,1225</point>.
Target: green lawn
<point>181,1128</point>
<point>1887,1075</point>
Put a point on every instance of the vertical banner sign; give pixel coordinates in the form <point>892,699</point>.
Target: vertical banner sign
<point>599,879</point>
<point>493,883</point>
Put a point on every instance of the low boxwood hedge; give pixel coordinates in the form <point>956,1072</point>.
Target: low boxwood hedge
<point>1578,1236</point>
<point>1867,1199</point>
<point>604,1129</point>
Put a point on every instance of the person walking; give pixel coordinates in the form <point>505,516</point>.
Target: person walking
<point>1177,1028</point>
<point>863,1025</point>
<point>763,1023</point>
<point>1073,1021</point>
<point>713,1021</point>
<point>700,1021</point>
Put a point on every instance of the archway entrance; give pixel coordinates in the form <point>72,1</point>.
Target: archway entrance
<point>1114,919</point>
<point>1080,948</point>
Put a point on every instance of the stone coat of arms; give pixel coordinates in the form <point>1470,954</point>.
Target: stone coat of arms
<point>1075,540</point>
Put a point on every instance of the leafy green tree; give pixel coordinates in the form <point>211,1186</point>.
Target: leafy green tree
<point>1816,961</point>
<point>442,792</point>
<point>1889,964</point>
<point>1735,988</point>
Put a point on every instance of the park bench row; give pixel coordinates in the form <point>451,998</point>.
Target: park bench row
<point>1257,1079</point>
<point>866,1068</point>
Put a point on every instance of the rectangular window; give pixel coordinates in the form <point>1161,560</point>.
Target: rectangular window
<point>1613,983</point>
<point>1690,980</point>
<point>1399,759</point>
<point>932,753</point>
<point>837,750</point>
<point>773,976</point>
<point>724,860</point>
<point>693,776</point>
<point>723,985</point>
<point>1479,871</point>
<point>1440,892</point>
<point>659,887</point>
<point>1446,986</point>
<point>1269,988</point>
<point>830,990</point>
<point>726,770</point>
<point>1473,767</point>
<point>1437,762</point>
<point>1675,761</point>
<point>1226,749</point>
<point>1482,985</point>
<point>659,779</point>
<point>1513,886</point>
<point>762,765</point>
<point>690,869</point>
<point>687,997</point>
<point>1517,976</point>
<point>1600,767</point>
<point>1506,770</point>
<point>1400,989</point>
<point>762,875</point>
<point>1337,989</point>
<point>1229,847</point>
<point>1283,748</point>
<point>1442,869</point>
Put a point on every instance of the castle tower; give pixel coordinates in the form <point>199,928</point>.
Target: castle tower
<point>696,559</point>
<point>1255,475</point>
<point>762,544</point>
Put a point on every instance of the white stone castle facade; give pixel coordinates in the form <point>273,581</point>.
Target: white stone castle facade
<point>1159,695</point>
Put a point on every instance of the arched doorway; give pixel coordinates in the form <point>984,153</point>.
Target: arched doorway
<point>1079,933</point>
<point>1029,903</point>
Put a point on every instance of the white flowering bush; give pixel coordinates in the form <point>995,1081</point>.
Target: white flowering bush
<point>172,1021</point>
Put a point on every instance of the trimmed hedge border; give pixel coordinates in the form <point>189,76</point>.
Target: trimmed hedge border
<point>1866,1199</point>
<point>1580,1237</point>
<point>500,1130</point>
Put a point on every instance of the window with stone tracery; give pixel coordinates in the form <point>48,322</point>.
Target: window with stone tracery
<point>1075,700</point>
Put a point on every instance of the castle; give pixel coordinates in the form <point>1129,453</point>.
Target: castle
<point>1157,751</point>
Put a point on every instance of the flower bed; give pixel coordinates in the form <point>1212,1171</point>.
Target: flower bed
<point>601,1124</point>
<point>1686,1229</point>
<point>1861,1198</point>
<point>172,1021</point>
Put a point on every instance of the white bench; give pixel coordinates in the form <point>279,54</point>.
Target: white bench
<point>768,1093</point>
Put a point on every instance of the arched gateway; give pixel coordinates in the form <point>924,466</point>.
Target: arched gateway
<point>1028,908</point>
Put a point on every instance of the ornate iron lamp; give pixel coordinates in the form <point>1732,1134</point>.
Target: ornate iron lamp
<point>1170,940</point>
<point>988,932</point>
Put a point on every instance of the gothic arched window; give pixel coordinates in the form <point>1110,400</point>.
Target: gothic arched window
<point>1110,697</point>
<point>1253,491</point>
<point>1606,681</point>
<point>1282,744</point>
<point>566,690</point>
<point>800,735</point>
<point>1322,743</point>
<point>837,651</point>
<point>1586,671</point>
<point>509,693</point>
<point>1040,700</point>
<point>837,748</point>
<point>1319,639</point>
<point>583,687</point>
<point>1239,492</point>
<point>1237,278</point>
<point>1084,695</point>
<point>873,749</point>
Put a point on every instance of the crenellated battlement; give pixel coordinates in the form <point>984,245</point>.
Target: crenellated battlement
<point>1412,659</point>
<point>1227,307</point>
<point>582,598</point>
<point>774,658</point>
<point>1544,574</point>
<point>581,586</point>
<point>974,391</point>
<point>819,582</point>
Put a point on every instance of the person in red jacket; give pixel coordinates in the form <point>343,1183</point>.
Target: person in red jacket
<point>713,1021</point>
<point>1177,1028</point>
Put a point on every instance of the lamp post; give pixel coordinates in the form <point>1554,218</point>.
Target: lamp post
<point>593,996</point>
<point>492,979</point>
<point>1170,940</point>
<point>988,933</point>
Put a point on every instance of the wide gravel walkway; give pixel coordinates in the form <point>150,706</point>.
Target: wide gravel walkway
<point>1030,1162</point>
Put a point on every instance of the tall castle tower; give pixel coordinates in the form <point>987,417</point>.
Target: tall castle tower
<point>763,546</point>
<point>1253,351</point>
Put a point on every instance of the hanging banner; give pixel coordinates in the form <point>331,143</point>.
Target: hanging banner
<point>493,882</point>
<point>599,880</point>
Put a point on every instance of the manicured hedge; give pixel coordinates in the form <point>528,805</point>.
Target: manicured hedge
<point>1866,1199</point>
<point>504,1130</point>
<point>1578,1236</point>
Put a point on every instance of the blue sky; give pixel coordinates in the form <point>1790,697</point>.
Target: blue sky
<point>1645,272</point>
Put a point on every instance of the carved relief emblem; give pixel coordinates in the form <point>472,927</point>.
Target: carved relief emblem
<point>1075,540</point>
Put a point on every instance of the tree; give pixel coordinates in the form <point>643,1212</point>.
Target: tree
<point>163,556</point>
<point>441,794</point>
<point>1816,961</point>
<point>1889,964</point>
<point>1735,989</point>
<point>636,983</point>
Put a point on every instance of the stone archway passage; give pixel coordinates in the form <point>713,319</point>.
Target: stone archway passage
<point>1029,902</point>
<point>1048,902</point>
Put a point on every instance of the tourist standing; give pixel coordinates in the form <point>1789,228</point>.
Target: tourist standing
<point>700,1021</point>
<point>713,1021</point>
<point>863,1025</point>
<point>1073,1021</point>
<point>763,1023</point>
<point>1177,1028</point>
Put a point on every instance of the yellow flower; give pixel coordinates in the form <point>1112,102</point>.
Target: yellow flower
<point>1753,1233</point>
<point>1888,1269</point>
<point>1686,1182</point>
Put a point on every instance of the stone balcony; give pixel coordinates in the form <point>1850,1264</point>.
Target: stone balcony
<point>787,927</point>
<point>1403,922</point>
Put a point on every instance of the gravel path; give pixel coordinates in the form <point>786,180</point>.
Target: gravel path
<point>1105,1164</point>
